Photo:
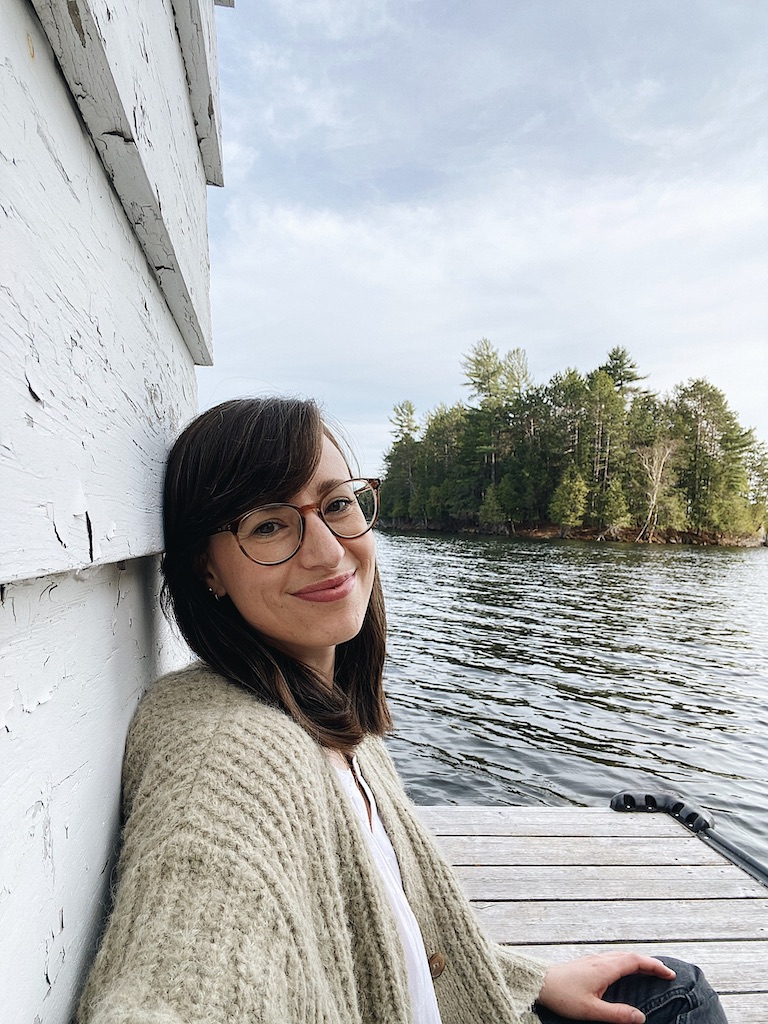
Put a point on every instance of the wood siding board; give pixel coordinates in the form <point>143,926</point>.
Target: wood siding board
<point>124,68</point>
<point>197,37</point>
<point>68,691</point>
<point>97,379</point>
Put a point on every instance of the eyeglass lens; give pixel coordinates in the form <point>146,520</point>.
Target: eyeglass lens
<point>272,533</point>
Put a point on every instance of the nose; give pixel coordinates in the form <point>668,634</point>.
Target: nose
<point>319,546</point>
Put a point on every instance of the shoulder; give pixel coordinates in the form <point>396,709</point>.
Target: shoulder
<point>197,700</point>
<point>196,726</point>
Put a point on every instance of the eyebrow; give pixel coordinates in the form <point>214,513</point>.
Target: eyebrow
<point>326,485</point>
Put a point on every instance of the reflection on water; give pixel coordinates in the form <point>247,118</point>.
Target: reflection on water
<point>559,673</point>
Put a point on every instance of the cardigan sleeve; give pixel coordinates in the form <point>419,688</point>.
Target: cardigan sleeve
<point>184,946</point>
<point>212,919</point>
<point>241,894</point>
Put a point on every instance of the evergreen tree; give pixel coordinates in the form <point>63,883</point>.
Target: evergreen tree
<point>569,501</point>
<point>595,450</point>
<point>398,495</point>
<point>757,477</point>
<point>606,417</point>
<point>612,509</point>
<point>713,470</point>
<point>515,376</point>
<point>491,512</point>
<point>622,369</point>
<point>483,370</point>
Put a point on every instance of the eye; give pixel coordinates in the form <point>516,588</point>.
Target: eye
<point>266,524</point>
<point>267,529</point>
<point>338,506</point>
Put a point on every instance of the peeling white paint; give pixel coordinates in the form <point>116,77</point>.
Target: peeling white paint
<point>73,664</point>
<point>125,66</point>
<point>103,291</point>
<point>97,376</point>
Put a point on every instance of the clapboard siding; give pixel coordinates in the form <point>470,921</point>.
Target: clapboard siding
<point>197,37</point>
<point>96,377</point>
<point>108,133</point>
<point>78,651</point>
<point>124,66</point>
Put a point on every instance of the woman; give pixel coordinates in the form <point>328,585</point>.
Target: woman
<point>272,869</point>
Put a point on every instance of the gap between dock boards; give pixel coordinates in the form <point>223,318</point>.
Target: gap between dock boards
<point>559,882</point>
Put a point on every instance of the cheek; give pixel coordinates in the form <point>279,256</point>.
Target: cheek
<point>367,556</point>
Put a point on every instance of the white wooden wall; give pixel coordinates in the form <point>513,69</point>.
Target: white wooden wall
<point>108,134</point>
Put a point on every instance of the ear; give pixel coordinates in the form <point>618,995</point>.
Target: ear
<point>205,570</point>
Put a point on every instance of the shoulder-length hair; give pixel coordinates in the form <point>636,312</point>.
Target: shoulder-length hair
<point>231,458</point>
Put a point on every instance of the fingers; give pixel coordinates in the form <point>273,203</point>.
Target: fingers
<point>617,1013</point>
<point>576,988</point>
<point>650,965</point>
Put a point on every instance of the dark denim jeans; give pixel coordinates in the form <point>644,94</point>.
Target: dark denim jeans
<point>687,999</point>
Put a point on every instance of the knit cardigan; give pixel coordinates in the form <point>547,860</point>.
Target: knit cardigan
<point>246,891</point>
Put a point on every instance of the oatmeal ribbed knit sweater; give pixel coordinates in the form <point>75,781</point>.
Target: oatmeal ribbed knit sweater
<point>246,891</point>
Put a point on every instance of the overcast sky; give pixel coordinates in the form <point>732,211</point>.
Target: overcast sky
<point>405,177</point>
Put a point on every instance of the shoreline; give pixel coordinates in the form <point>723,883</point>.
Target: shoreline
<point>616,535</point>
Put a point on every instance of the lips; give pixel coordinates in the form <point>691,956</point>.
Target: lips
<point>328,590</point>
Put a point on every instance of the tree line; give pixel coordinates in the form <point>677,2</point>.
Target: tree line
<point>596,451</point>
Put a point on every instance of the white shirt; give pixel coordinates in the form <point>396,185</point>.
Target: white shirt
<point>424,1008</point>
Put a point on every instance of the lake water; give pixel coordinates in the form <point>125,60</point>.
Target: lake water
<point>562,672</point>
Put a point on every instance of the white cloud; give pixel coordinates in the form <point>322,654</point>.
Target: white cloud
<point>407,178</point>
<point>337,19</point>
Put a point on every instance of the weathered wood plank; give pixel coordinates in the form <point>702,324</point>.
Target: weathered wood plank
<point>746,1008</point>
<point>557,883</point>
<point>541,850</point>
<point>635,921</point>
<point>77,651</point>
<point>96,378</point>
<point>197,36</point>
<point>608,882</point>
<point>548,821</point>
<point>124,67</point>
<point>729,966</point>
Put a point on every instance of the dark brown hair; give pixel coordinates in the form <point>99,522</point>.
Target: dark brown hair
<point>232,457</point>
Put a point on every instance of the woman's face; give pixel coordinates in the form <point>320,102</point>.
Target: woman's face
<point>315,600</point>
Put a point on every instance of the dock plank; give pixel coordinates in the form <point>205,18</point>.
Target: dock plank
<point>560,882</point>
<point>595,850</point>
<point>724,962</point>
<point>630,921</point>
<point>607,882</point>
<point>746,1008</point>
<point>547,821</point>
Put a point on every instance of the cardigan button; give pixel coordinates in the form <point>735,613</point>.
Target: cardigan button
<point>437,964</point>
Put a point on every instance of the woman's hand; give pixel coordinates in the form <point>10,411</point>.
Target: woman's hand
<point>575,989</point>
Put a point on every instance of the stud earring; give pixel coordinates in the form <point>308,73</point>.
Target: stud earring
<point>213,593</point>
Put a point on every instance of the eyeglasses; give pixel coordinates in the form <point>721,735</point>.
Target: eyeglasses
<point>271,534</point>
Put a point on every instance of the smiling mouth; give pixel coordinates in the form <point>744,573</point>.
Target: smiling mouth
<point>328,590</point>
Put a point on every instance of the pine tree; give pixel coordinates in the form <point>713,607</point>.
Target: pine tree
<point>569,501</point>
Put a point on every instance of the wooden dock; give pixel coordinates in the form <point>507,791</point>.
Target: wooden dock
<point>561,882</point>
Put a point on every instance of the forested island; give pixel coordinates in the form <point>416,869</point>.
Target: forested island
<point>595,455</point>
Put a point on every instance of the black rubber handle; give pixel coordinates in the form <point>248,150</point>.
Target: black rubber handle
<point>691,816</point>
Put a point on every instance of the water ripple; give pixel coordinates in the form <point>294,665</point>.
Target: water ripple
<point>560,673</point>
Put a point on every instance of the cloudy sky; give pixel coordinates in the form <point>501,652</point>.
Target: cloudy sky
<point>405,177</point>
